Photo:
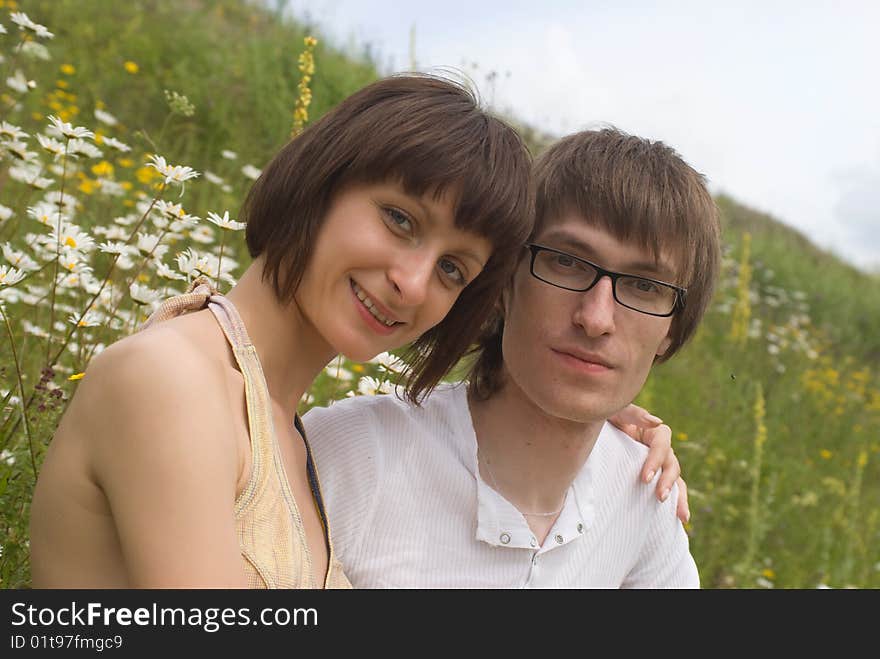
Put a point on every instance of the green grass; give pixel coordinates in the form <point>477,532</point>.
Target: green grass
<point>796,509</point>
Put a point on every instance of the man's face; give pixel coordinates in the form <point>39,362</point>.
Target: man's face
<point>581,356</point>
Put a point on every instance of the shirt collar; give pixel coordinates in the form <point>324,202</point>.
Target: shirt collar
<point>500,524</point>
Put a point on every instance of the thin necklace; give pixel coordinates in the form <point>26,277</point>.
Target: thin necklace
<point>495,487</point>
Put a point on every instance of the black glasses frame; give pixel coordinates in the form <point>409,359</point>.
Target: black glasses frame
<point>680,293</point>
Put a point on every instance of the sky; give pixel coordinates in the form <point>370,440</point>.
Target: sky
<point>777,103</point>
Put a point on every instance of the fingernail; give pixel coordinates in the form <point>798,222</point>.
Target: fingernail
<point>649,477</point>
<point>655,419</point>
<point>687,517</point>
<point>664,495</point>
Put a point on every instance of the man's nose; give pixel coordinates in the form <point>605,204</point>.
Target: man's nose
<point>596,308</point>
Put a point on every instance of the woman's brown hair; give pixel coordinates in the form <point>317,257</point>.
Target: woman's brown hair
<point>430,134</point>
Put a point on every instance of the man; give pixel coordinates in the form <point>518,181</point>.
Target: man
<point>516,480</point>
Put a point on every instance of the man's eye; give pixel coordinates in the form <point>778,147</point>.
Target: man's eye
<point>564,261</point>
<point>452,272</point>
<point>644,286</point>
<point>398,218</point>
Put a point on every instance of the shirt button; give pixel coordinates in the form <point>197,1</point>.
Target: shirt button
<point>580,528</point>
<point>533,542</point>
<point>559,539</point>
<point>505,538</point>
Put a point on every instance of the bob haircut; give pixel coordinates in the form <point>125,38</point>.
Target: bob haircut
<point>429,134</point>
<point>640,192</point>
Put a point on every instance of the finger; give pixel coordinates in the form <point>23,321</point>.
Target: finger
<point>659,441</point>
<point>682,510</point>
<point>671,472</point>
<point>637,416</point>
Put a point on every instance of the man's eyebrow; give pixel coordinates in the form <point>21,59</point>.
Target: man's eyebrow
<point>649,268</point>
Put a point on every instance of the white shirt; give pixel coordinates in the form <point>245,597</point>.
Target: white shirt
<point>408,508</point>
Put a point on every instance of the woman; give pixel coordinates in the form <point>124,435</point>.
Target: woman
<point>393,220</point>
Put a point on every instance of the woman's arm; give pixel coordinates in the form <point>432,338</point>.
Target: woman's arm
<point>157,424</point>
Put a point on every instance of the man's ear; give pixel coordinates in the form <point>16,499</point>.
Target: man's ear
<point>501,304</point>
<point>664,346</point>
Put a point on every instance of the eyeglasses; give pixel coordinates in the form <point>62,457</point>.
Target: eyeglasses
<point>648,296</point>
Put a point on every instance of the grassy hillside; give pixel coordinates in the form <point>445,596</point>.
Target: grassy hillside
<point>775,405</point>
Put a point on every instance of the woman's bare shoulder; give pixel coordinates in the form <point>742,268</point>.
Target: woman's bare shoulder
<point>166,377</point>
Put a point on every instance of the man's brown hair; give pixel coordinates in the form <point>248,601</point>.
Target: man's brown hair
<point>429,134</point>
<point>640,191</point>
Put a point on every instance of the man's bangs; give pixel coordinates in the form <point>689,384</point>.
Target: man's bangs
<point>647,221</point>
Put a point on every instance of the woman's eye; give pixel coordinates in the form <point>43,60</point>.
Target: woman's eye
<point>398,218</point>
<point>452,272</point>
<point>564,261</point>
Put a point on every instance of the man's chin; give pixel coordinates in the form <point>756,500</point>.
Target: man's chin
<point>582,409</point>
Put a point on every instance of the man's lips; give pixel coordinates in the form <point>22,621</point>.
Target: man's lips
<point>588,358</point>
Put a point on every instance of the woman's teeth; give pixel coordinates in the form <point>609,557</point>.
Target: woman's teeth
<point>369,304</point>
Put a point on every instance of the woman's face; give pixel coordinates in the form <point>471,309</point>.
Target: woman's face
<point>386,267</point>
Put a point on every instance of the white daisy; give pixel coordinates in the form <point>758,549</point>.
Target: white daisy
<point>45,213</point>
<point>213,178</point>
<point>167,273</point>
<point>20,151</point>
<point>224,222</point>
<point>80,147</point>
<point>251,172</point>
<point>202,234</point>
<point>229,155</point>
<point>148,243</point>
<point>33,330</point>
<point>12,132</point>
<point>143,294</point>
<point>116,144</point>
<point>36,50</point>
<point>92,318</point>
<point>73,237</point>
<point>113,247</point>
<point>10,276</point>
<point>20,83</point>
<point>64,129</point>
<point>19,259</point>
<point>53,146</point>
<point>172,173</point>
<point>105,118</point>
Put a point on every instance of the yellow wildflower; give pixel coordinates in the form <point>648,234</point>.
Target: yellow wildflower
<point>768,573</point>
<point>76,376</point>
<point>88,186</point>
<point>306,65</point>
<point>131,67</point>
<point>103,168</point>
<point>146,174</point>
<point>682,437</point>
<point>67,69</point>
<point>826,454</point>
<point>125,162</point>
<point>63,84</point>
